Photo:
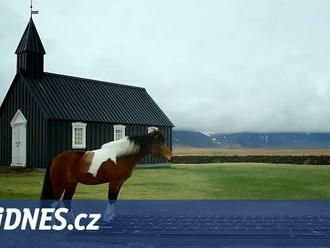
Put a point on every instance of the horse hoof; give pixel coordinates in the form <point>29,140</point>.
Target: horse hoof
<point>71,217</point>
<point>108,218</point>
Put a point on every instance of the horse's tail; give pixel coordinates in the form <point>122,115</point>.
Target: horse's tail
<point>47,188</point>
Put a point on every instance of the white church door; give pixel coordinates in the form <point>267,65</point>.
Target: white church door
<point>18,125</point>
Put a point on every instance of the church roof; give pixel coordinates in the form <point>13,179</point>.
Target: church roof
<point>80,99</point>
<point>30,41</point>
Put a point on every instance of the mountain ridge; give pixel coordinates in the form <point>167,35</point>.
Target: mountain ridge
<point>278,140</point>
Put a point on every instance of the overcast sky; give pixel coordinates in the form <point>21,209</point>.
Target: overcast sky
<point>212,65</point>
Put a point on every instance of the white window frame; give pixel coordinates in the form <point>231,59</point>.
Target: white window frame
<point>151,129</point>
<point>120,128</point>
<point>83,126</point>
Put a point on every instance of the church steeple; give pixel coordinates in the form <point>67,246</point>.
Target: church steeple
<point>30,52</point>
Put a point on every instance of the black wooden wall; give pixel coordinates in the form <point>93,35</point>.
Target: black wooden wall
<point>19,97</point>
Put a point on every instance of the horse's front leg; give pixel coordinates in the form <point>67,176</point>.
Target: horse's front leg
<point>113,192</point>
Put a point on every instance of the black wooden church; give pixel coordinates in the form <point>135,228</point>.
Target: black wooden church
<point>45,113</point>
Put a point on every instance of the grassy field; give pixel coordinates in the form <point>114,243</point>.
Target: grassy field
<point>183,151</point>
<point>206,181</point>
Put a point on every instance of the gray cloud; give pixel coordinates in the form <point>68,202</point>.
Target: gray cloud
<point>211,65</point>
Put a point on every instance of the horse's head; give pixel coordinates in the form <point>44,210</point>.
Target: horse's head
<point>158,146</point>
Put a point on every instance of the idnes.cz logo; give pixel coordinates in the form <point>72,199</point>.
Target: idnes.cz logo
<point>45,219</point>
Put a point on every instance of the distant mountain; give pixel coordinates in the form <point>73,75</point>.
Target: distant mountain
<point>252,140</point>
<point>274,140</point>
<point>193,139</point>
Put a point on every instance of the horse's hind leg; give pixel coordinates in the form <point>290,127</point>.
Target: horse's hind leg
<point>57,180</point>
<point>70,189</point>
<point>58,189</point>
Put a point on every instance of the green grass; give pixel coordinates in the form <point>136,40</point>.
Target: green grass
<point>207,181</point>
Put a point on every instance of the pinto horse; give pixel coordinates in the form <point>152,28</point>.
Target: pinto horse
<point>113,163</point>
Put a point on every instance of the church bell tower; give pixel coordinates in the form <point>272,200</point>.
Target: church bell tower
<point>30,53</point>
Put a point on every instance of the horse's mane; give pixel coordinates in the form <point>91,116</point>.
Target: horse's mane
<point>143,141</point>
<point>147,139</point>
<point>112,143</point>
